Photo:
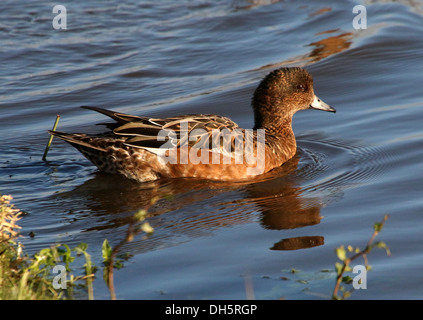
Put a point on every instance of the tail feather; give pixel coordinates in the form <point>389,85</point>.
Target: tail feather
<point>121,118</point>
<point>76,140</point>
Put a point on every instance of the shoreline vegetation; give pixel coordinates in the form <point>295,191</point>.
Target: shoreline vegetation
<point>47,275</point>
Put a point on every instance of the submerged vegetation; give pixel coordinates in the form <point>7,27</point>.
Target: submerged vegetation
<point>47,275</point>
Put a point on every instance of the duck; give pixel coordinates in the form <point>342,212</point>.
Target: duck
<point>204,146</point>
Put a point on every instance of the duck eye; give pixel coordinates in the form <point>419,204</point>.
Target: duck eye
<point>301,87</point>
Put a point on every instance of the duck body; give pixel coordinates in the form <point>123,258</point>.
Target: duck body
<point>204,146</point>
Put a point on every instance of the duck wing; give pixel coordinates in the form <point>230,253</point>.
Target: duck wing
<point>201,131</point>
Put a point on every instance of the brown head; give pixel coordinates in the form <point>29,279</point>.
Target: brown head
<point>282,93</point>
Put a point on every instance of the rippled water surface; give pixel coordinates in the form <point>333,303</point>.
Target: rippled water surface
<point>219,240</point>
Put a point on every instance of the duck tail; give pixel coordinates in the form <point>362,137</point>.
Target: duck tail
<point>120,118</point>
<point>77,140</point>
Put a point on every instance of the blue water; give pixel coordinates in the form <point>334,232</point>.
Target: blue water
<point>212,240</point>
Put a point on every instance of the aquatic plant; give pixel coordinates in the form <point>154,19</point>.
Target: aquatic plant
<point>50,140</point>
<point>109,254</point>
<point>344,266</point>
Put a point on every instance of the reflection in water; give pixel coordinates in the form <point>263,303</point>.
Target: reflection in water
<point>280,202</point>
<point>298,243</point>
<point>198,207</point>
<point>283,207</point>
<point>323,49</point>
<point>330,45</point>
<point>250,4</point>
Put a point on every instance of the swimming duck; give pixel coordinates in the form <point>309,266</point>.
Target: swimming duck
<point>204,146</point>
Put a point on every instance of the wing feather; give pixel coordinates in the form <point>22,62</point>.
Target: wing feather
<point>202,131</point>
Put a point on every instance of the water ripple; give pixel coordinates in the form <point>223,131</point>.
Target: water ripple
<point>333,164</point>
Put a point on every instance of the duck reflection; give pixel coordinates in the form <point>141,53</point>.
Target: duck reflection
<point>189,207</point>
<point>283,206</point>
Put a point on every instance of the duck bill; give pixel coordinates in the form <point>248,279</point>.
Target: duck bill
<point>320,105</point>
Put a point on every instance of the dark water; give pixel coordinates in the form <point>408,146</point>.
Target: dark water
<point>174,57</point>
